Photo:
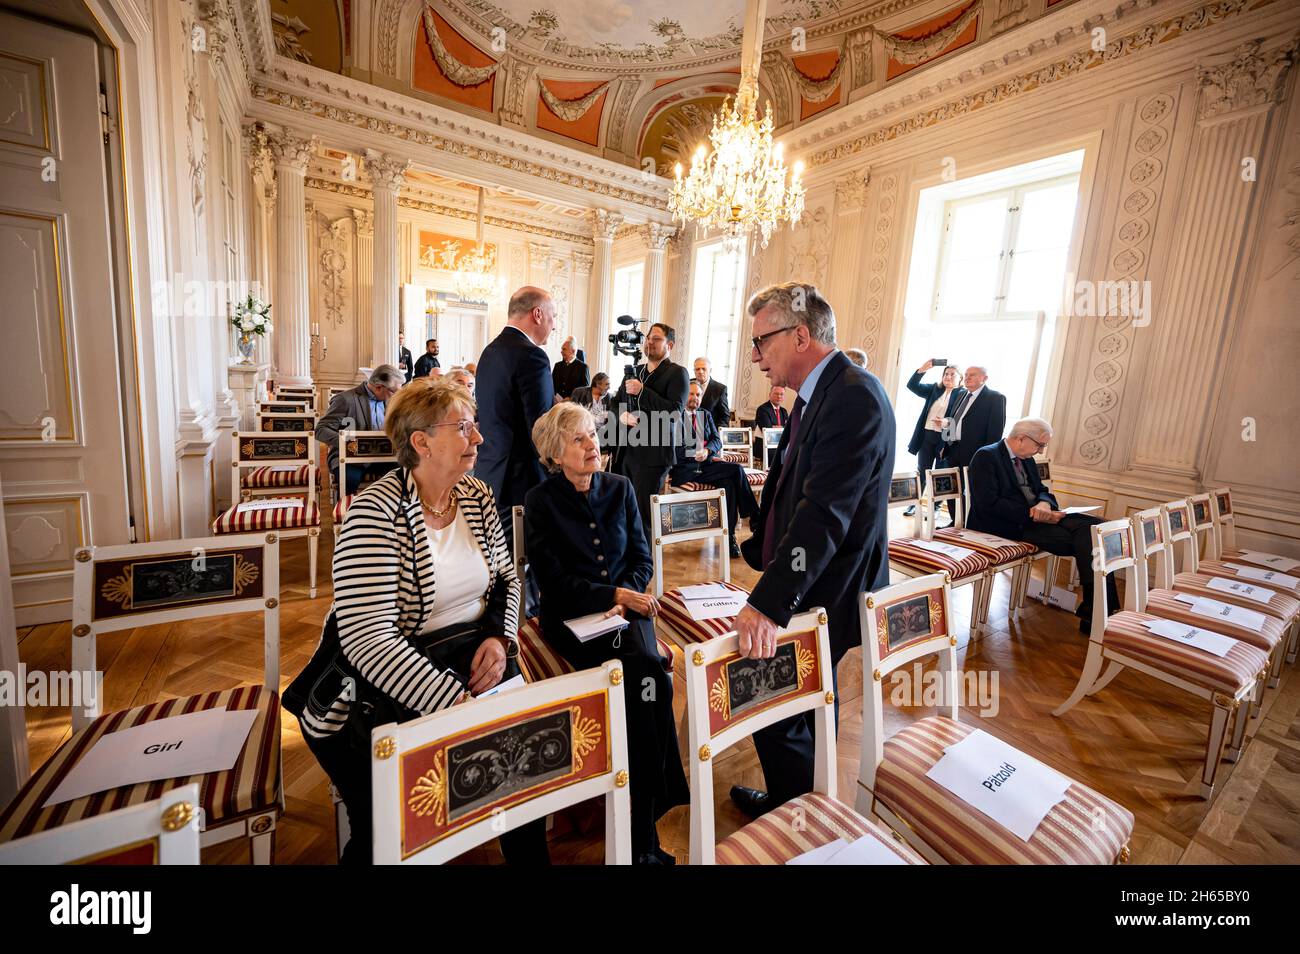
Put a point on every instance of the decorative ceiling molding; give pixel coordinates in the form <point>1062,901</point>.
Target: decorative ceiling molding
<point>1170,29</point>
<point>409,201</point>
<point>571,110</point>
<point>919,50</point>
<point>462,74</point>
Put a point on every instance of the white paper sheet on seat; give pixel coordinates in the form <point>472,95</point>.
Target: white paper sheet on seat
<point>1266,576</point>
<point>1238,588</point>
<point>1203,639</point>
<point>1216,609</point>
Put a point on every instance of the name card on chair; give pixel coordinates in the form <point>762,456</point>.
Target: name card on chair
<point>1271,560</point>
<point>276,503</point>
<point>1266,576</point>
<point>1214,609</point>
<point>1012,788</point>
<point>947,549</point>
<point>867,850</point>
<point>1203,639</point>
<point>716,607</point>
<point>1257,593</point>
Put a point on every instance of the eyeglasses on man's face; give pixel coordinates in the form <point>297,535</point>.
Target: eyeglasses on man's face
<point>757,341</point>
<point>1041,445</point>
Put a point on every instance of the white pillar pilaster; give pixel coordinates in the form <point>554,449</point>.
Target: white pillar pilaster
<point>291,316</point>
<point>387,173</point>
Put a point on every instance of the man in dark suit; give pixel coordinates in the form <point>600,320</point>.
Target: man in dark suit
<point>820,536</point>
<point>699,460</point>
<point>978,418</point>
<point>1008,499</point>
<point>941,399</point>
<point>770,413</point>
<point>429,360</point>
<point>404,362</point>
<point>360,409</point>
<point>714,399</point>
<point>569,373</point>
<point>513,389</point>
<point>648,407</point>
<point>595,398</point>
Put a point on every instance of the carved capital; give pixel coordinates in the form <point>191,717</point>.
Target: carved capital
<point>257,146</point>
<point>1251,78</point>
<point>851,191</point>
<point>364,220</point>
<point>582,262</point>
<point>604,224</point>
<point>216,28</point>
<point>539,254</point>
<point>291,151</point>
<point>657,236</point>
<point>386,171</point>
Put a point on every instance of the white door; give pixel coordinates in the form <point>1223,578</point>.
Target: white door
<point>461,336</point>
<point>62,454</point>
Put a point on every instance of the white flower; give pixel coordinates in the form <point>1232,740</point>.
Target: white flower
<point>246,325</point>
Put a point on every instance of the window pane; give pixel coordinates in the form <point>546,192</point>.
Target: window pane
<point>1046,216</point>
<point>1036,281</point>
<point>970,263</point>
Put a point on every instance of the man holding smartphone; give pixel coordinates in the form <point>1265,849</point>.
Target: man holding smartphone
<point>941,399</point>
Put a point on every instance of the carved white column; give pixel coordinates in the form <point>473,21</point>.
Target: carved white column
<point>1201,290</point>
<point>657,237</point>
<point>387,173</point>
<point>604,226</point>
<point>292,312</point>
<point>580,323</point>
<point>365,276</point>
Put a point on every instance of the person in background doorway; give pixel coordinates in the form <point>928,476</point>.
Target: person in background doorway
<point>569,373</point>
<point>429,360</point>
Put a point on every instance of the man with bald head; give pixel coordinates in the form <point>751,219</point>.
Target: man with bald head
<point>713,394</point>
<point>514,388</point>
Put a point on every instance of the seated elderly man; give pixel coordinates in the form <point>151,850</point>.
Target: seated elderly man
<point>1008,499</point>
<point>463,377</point>
<point>699,460</point>
<point>360,409</point>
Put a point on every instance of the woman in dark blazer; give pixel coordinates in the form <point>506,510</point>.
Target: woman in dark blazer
<point>586,546</point>
<point>927,436</point>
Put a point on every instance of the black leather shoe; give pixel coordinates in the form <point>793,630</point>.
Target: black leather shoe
<point>735,549</point>
<point>656,857</point>
<point>751,801</point>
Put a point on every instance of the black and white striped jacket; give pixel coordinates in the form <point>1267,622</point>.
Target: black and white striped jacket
<point>385,586</point>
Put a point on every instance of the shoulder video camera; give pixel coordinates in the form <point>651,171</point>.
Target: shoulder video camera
<point>627,341</point>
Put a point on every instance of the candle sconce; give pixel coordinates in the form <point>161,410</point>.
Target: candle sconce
<point>319,344</point>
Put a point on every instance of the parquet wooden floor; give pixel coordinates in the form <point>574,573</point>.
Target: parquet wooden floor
<point>1139,741</point>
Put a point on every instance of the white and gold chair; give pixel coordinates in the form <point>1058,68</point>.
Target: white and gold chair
<point>143,584</point>
<point>448,782</point>
<point>920,554</point>
<point>771,441</point>
<point>164,831</point>
<point>901,625</point>
<point>728,698</point>
<point>947,484</point>
<point>358,447</point>
<point>270,421</point>
<point>738,445</point>
<point>1124,639</point>
<point>277,475</point>
<point>304,394</point>
<point>284,406</point>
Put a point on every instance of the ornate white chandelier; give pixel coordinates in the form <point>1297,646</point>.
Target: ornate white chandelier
<point>474,280</point>
<point>740,185</point>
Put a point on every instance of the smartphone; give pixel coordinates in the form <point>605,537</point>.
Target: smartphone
<point>939,362</point>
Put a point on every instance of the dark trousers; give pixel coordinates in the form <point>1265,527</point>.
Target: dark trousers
<point>730,477</point>
<point>348,769</point>
<point>945,462</point>
<point>357,474</point>
<point>1073,537</point>
<point>658,780</point>
<point>928,454</point>
<point>647,480</point>
<point>787,750</point>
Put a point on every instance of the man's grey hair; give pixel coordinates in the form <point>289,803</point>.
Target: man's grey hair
<point>1030,427</point>
<point>857,356</point>
<point>525,300</point>
<point>980,368</point>
<point>387,376</point>
<point>798,303</point>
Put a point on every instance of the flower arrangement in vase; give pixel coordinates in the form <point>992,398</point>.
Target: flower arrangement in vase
<point>251,317</point>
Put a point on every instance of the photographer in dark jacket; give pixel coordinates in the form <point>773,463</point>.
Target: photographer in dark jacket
<point>649,408</point>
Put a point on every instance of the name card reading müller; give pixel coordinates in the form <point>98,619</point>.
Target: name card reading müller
<point>1012,788</point>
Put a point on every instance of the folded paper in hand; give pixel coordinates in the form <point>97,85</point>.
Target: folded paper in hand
<point>1081,509</point>
<point>587,628</point>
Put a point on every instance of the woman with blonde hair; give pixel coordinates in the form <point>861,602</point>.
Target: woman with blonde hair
<point>588,551</point>
<point>426,603</point>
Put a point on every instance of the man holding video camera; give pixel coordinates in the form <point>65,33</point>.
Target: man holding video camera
<point>649,406</point>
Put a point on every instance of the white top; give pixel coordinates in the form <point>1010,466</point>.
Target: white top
<point>461,572</point>
<point>937,411</point>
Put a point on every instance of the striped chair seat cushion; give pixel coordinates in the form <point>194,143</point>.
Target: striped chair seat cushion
<point>539,661</point>
<point>1083,828</point>
<point>235,520</point>
<point>907,552</point>
<point>799,826</point>
<point>266,478</point>
<point>1235,555</point>
<point>252,785</point>
<point>692,486</point>
<point>1221,568</point>
<point>1166,605</point>
<point>675,619</point>
<point>756,478</point>
<point>1001,552</point>
<point>1229,674</point>
<point>341,507</point>
<point>1281,606</point>
<point>736,457</point>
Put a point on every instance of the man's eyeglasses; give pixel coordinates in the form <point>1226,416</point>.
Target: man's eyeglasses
<point>1041,446</point>
<point>757,341</point>
<point>465,426</point>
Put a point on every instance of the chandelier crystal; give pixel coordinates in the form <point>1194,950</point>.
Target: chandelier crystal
<point>739,186</point>
<point>475,281</point>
